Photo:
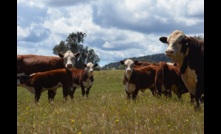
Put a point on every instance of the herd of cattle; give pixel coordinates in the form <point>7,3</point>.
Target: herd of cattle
<point>185,75</point>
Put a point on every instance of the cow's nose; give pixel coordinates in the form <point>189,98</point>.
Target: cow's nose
<point>169,51</point>
<point>128,71</point>
<point>69,65</point>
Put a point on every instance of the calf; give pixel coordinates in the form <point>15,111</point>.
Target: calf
<point>83,78</point>
<point>168,77</point>
<point>49,80</point>
<point>188,53</point>
<point>136,79</point>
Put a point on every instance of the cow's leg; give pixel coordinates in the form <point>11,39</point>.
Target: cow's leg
<point>192,98</point>
<point>199,89</point>
<point>153,91</point>
<point>37,94</point>
<point>65,92</point>
<point>128,95</point>
<point>87,91</point>
<point>51,95</point>
<point>168,92</point>
<point>82,90</point>
<point>134,94</point>
<point>71,92</point>
<point>179,95</point>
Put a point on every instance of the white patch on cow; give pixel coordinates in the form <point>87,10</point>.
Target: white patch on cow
<point>190,78</point>
<point>129,67</point>
<point>87,83</point>
<point>32,74</point>
<point>130,87</point>
<point>90,69</point>
<point>68,59</point>
<point>173,43</point>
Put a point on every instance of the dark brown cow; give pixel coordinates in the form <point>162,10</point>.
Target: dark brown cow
<point>49,80</point>
<point>83,78</point>
<point>188,53</point>
<point>167,78</point>
<point>136,79</point>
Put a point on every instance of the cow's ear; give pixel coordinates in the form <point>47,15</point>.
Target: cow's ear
<point>122,62</point>
<point>95,65</point>
<point>84,65</point>
<point>77,54</point>
<point>135,62</point>
<point>60,55</point>
<point>163,39</point>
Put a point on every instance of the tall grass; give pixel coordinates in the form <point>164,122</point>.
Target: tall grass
<point>107,111</point>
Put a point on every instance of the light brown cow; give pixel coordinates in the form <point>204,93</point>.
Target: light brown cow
<point>188,53</point>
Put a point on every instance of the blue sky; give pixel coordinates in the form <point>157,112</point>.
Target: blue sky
<point>116,29</point>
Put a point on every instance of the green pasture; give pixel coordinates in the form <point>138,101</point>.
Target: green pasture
<point>107,111</point>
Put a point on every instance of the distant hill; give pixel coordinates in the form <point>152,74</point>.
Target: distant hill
<point>155,58</point>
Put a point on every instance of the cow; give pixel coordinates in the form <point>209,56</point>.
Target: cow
<point>188,53</point>
<point>50,80</point>
<point>83,78</point>
<point>138,79</point>
<point>167,78</point>
<point>29,63</point>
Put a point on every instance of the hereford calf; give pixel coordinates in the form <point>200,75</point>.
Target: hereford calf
<point>136,79</point>
<point>168,77</point>
<point>83,78</point>
<point>49,80</point>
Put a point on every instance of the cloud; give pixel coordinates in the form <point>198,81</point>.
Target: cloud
<point>115,29</point>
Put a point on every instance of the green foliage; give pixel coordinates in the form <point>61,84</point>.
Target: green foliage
<point>73,43</point>
<point>107,110</point>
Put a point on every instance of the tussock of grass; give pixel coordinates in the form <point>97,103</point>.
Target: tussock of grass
<point>107,111</point>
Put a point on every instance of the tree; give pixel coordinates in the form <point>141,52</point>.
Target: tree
<point>72,42</point>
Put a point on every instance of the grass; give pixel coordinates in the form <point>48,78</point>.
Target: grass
<point>106,111</point>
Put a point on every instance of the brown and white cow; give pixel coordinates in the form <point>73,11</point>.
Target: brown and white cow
<point>188,53</point>
<point>50,80</point>
<point>29,63</point>
<point>136,79</point>
<point>83,78</point>
<point>167,79</point>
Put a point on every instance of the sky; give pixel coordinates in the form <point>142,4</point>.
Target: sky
<point>115,29</point>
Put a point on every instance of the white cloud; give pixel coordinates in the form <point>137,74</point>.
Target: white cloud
<point>115,29</point>
<point>22,32</point>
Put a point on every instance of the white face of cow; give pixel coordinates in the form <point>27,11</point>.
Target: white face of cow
<point>174,45</point>
<point>129,66</point>
<point>69,58</point>
<point>90,68</point>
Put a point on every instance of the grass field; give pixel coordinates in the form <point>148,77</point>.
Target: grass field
<point>106,111</point>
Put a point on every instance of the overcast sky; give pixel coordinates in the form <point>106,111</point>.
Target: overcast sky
<point>116,29</point>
